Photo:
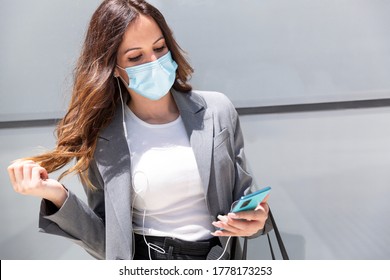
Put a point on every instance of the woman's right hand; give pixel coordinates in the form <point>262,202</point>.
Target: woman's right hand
<point>29,178</point>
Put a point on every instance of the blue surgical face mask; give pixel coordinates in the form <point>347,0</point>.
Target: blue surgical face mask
<point>153,80</point>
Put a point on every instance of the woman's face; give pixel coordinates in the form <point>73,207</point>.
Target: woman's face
<point>142,42</point>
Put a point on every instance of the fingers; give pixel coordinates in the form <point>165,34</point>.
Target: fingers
<point>26,175</point>
<point>260,213</point>
<point>11,174</point>
<point>245,223</point>
<point>16,173</point>
<point>38,173</point>
<point>237,227</point>
<point>27,171</point>
<point>29,178</point>
<point>265,207</point>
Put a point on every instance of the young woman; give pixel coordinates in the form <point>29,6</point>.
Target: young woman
<point>161,164</point>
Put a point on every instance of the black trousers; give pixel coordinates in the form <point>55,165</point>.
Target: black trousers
<point>167,248</point>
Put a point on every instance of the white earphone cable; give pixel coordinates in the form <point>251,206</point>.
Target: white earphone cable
<point>123,108</point>
<point>150,245</point>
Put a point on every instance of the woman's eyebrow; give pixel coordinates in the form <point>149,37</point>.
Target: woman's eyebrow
<point>162,37</point>
<point>138,48</point>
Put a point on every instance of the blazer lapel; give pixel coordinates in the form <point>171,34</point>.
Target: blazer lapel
<point>198,122</point>
<point>113,161</point>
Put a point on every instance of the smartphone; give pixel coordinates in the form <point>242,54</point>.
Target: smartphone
<point>250,201</point>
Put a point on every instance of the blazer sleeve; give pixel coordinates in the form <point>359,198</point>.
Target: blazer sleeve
<point>80,222</point>
<point>244,181</point>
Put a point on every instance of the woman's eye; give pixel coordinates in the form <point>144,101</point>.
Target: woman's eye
<point>135,58</point>
<point>160,49</point>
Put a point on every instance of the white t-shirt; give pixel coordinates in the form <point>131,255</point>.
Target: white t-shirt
<point>168,197</point>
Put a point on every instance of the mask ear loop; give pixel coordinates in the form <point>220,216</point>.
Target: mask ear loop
<point>123,107</point>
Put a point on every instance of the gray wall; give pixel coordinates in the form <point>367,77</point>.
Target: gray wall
<point>286,51</point>
<point>40,42</point>
<point>330,177</point>
<point>328,168</point>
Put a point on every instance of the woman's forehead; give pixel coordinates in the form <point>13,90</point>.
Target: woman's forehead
<point>143,31</point>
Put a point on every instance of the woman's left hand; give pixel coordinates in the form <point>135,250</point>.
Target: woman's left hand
<point>245,223</point>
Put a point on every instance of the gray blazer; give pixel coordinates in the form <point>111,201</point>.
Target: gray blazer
<point>104,226</point>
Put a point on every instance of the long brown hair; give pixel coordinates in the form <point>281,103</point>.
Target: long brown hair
<point>95,92</point>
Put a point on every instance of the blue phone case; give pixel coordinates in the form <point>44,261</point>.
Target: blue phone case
<point>250,201</point>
